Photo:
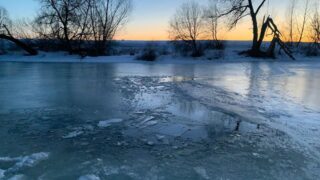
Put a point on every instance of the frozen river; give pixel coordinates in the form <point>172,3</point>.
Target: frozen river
<point>160,121</point>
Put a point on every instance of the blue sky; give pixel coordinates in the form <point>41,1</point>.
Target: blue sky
<point>149,18</point>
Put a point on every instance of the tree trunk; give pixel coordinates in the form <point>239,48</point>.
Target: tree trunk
<point>21,44</point>
<point>255,45</point>
<point>263,32</point>
<point>272,47</point>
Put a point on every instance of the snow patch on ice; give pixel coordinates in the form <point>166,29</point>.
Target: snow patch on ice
<point>107,123</point>
<point>89,177</point>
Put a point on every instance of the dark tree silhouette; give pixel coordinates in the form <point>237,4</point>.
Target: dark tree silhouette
<point>187,25</point>
<point>76,22</point>
<point>106,18</point>
<point>60,20</point>
<point>238,9</point>
<point>212,22</point>
<point>6,34</point>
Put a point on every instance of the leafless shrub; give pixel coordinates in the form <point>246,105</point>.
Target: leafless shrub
<point>149,53</point>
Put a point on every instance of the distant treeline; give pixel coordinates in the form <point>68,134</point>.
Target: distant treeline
<point>88,27</point>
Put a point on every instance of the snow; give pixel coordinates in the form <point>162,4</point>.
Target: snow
<point>230,54</point>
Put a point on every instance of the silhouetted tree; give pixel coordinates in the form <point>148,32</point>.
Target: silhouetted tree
<point>76,22</point>
<point>106,18</point>
<point>5,32</point>
<point>59,19</point>
<point>314,49</point>
<point>238,9</point>
<point>187,25</point>
<point>211,15</point>
<point>291,19</point>
<point>302,27</point>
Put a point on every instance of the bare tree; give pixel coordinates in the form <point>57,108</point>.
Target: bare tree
<point>314,49</point>
<point>59,19</point>
<point>291,19</point>
<point>315,25</point>
<point>106,18</point>
<point>238,9</point>
<point>23,29</point>
<point>211,15</point>
<point>301,30</point>
<point>4,17</point>
<point>187,25</point>
<point>76,22</point>
<point>5,32</point>
<point>3,20</point>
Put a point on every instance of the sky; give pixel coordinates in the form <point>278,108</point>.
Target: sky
<point>149,19</point>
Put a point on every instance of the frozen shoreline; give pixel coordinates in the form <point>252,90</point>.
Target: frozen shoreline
<point>63,57</point>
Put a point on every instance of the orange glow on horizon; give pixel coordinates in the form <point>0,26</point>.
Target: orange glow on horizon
<point>159,32</point>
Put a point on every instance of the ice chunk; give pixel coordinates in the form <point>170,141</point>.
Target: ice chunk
<point>150,123</point>
<point>150,143</point>
<point>18,177</point>
<point>256,154</point>
<point>89,177</point>
<point>33,159</point>
<point>25,161</point>
<point>107,123</point>
<point>73,134</point>
<point>147,122</point>
<point>201,172</point>
<point>160,137</point>
<point>7,159</point>
<point>147,119</point>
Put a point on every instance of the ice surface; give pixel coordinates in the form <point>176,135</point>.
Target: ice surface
<point>174,121</point>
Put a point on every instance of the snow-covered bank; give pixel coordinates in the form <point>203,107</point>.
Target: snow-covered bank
<point>230,54</point>
<point>62,57</point>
